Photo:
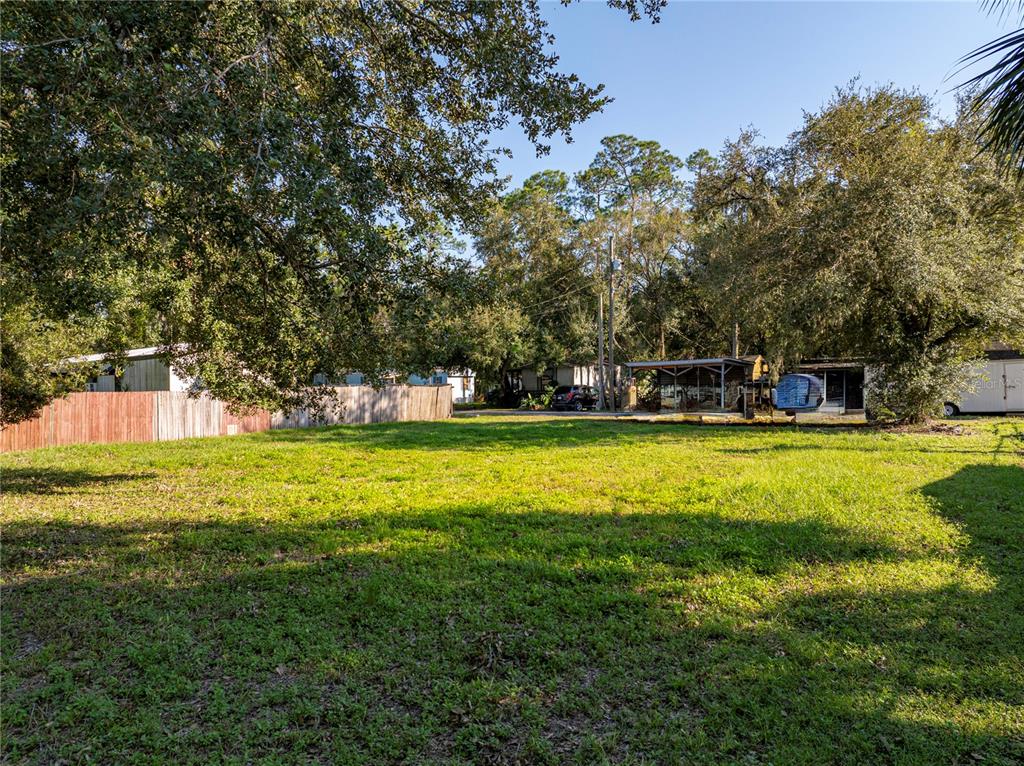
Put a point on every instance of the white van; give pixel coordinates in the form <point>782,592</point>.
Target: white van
<point>999,390</point>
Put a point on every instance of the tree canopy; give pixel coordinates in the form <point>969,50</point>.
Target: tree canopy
<point>878,231</point>
<point>632,191</point>
<point>250,184</point>
<point>543,252</point>
<point>267,191</point>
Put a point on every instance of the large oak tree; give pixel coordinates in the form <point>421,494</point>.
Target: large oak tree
<point>877,231</point>
<point>249,184</point>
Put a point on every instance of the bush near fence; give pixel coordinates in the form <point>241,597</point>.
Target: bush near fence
<point>145,416</point>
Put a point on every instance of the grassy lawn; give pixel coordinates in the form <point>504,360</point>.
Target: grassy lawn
<point>518,590</point>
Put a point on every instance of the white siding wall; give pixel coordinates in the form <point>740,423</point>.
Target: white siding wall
<point>181,384</point>
<point>1015,386</point>
<point>146,375</point>
<point>565,375</point>
<point>585,376</point>
<point>999,387</point>
<point>463,388</point>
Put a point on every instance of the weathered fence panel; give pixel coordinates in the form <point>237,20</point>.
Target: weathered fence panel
<point>364,404</point>
<point>82,418</point>
<point>244,424</point>
<point>180,417</point>
<point>143,416</point>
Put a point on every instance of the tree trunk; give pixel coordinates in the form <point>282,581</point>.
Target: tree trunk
<point>508,390</point>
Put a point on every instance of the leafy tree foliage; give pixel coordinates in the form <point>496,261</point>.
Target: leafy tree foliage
<point>28,376</point>
<point>544,262</point>
<point>544,258</point>
<point>632,191</point>
<point>537,303</point>
<point>877,231</point>
<point>259,182</point>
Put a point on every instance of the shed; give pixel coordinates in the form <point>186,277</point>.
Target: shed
<point>842,382</point>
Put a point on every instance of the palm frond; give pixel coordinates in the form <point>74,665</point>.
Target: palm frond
<point>1001,95</point>
<point>1003,8</point>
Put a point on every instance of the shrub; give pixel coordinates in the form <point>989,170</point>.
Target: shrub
<point>539,401</point>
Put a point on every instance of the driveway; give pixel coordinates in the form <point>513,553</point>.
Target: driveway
<point>813,418</point>
<point>545,414</point>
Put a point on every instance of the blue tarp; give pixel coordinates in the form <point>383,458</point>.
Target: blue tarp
<point>799,392</point>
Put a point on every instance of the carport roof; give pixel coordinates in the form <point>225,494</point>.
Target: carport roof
<point>718,360</point>
<point>831,364</point>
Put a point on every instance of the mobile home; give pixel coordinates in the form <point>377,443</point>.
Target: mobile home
<point>463,383</point>
<point>146,369</point>
<point>535,379</point>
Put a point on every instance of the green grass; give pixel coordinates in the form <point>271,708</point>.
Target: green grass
<point>535,591</point>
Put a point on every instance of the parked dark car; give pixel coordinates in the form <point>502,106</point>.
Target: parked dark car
<point>577,398</point>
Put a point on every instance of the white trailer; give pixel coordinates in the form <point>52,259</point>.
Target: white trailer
<point>999,389</point>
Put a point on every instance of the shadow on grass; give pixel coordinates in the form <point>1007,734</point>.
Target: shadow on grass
<point>942,449</point>
<point>48,481</point>
<point>955,650</point>
<point>465,634</point>
<point>701,543</point>
<point>569,433</point>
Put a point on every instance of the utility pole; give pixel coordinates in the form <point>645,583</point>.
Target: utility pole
<point>611,316</point>
<point>600,349</point>
<point>600,323</point>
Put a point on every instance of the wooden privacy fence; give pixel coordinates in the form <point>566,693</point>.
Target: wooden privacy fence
<point>146,416</point>
<point>364,404</point>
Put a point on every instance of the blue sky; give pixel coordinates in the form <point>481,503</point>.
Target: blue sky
<point>710,68</point>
